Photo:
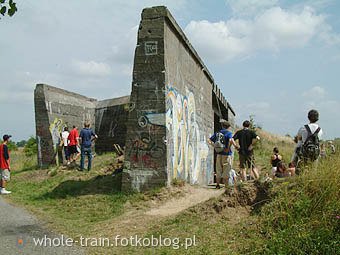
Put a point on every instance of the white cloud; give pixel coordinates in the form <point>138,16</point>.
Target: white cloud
<point>250,7</point>
<point>91,68</point>
<point>272,30</point>
<point>314,94</point>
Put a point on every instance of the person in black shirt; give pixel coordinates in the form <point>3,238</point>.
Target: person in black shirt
<point>246,139</point>
<point>275,159</point>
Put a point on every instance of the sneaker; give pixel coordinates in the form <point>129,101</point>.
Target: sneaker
<point>5,192</point>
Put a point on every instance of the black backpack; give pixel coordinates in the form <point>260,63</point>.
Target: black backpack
<point>220,143</point>
<point>311,147</point>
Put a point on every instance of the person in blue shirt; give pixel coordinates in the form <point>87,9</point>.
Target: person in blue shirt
<point>224,159</point>
<point>85,138</point>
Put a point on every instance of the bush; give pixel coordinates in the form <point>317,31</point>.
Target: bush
<point>31,147</point>
<point>12,146</point>
<point>22,143</point>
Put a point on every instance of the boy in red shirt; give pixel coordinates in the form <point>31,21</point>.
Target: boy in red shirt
<point>5,171</point>
<point>73,144</point>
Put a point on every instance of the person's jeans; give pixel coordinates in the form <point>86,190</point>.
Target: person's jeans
<point>86,151</point>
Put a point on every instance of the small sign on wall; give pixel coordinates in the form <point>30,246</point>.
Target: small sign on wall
<point>151,48</point>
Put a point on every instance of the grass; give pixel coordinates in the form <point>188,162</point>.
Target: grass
<point>69,200</point>
<point>303,218</point>
<point>301,215</point>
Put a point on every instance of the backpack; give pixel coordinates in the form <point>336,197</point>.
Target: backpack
<point>311,148</point>
<point>219,144</point>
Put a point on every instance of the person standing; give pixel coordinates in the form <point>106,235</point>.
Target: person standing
<point>64,136</point>
<point>222,141</point>
<point>73,143</point>
<point>86,137</point>
<point>246,139</point>
<point>5,170</point>
<point>310,133</point>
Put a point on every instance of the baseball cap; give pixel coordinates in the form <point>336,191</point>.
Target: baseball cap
<point>6,137</point>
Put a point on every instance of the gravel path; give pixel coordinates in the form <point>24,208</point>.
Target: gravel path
<point>18,229</point>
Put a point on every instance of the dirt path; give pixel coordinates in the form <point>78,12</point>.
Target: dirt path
<point>193,197</point>
<point>138,220</point>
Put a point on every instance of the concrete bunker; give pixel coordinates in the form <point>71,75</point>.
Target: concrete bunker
<point>56,108</point>
<point>173,109</point>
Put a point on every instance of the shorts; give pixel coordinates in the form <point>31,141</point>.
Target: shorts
<point>72,149</point>
<point>223,165</point>
<point>247,161</point>
<point>5,174</point>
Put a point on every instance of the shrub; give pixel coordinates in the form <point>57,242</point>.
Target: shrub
<point>12,146</point>
<point>31,147</point>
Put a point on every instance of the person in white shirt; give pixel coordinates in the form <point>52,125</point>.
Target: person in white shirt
<point>64,136</point>
<point>313,117</point>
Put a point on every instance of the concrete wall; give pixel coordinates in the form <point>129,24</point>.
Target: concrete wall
<point>145,153</point>
<point>190,117</point>
<point>111,117</point>
<point>54,109</point>
<point>172,115</point>
<point>174,108</point>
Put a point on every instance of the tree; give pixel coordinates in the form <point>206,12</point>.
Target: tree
<point>21,143</point>
<point>254,125</point>
<point>31,147</point>
<point>8,8</point>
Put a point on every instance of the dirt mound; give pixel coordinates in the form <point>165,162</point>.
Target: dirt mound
<point>249,195</point>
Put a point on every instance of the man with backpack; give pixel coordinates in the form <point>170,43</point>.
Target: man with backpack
<point>222,141</point>
<point>309,136</point>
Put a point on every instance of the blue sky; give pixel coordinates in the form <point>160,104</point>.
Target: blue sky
<point>272,59</point>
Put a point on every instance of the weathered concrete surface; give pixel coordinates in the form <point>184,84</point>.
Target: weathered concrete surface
<point>111,116</point>
<point>54,109</point>
<point>57,108</point>
<point>173,112</point>
<point>18,228</point>
<point>145,153</point>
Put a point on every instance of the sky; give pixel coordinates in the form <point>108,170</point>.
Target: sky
<point>272,59</point>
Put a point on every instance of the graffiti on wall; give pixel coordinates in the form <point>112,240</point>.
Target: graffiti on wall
<point>189,157</point>
<point>56,128</point>
<point>147,148</point>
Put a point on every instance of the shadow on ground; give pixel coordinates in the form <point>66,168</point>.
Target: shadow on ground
<point>101,184</point>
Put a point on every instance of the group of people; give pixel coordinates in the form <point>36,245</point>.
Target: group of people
<point>76,145</point>
<point>308,148</point>
<point>279,168</point>
<point>246,138</point>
